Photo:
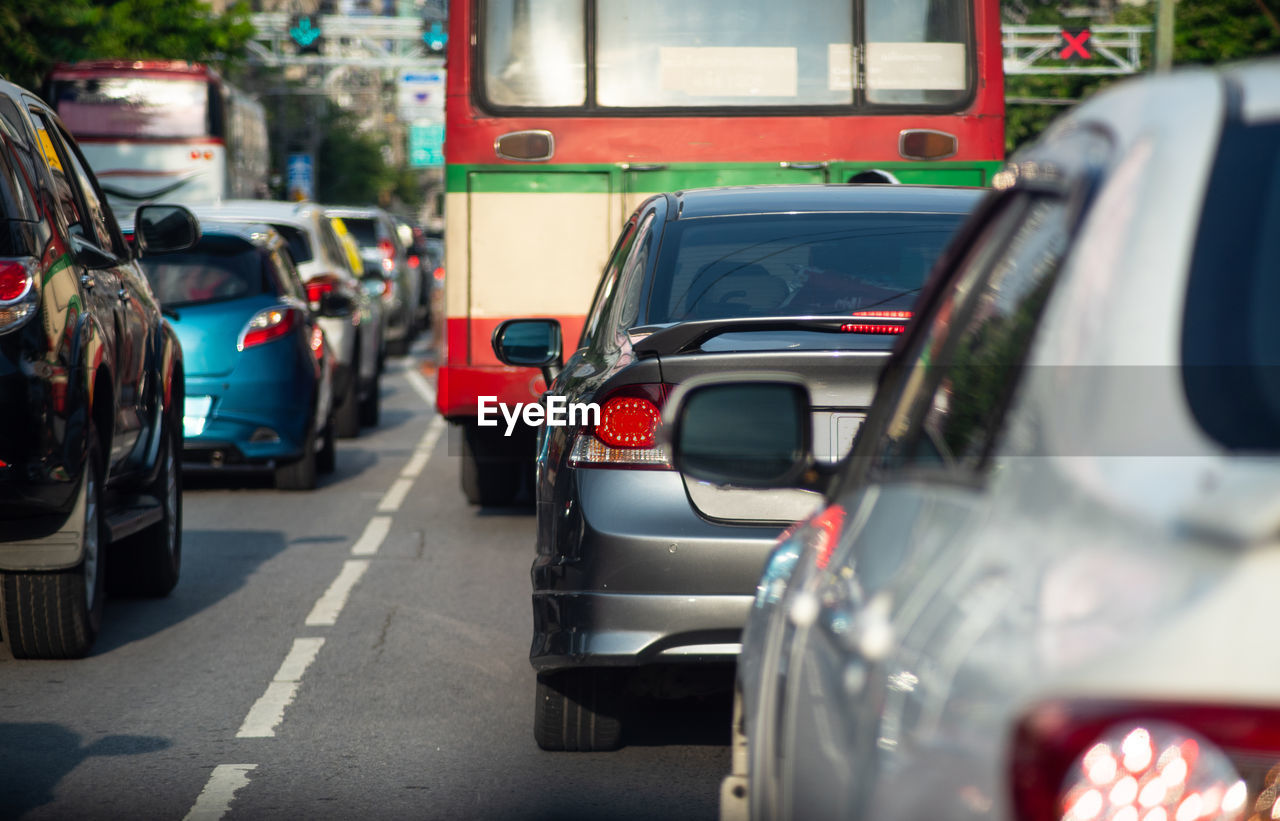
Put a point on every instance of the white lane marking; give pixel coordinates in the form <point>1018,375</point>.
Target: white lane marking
<point>395,496</point>
<point>422,455</point>
<point>268,711</point>
<point>331,602</point>
<point>215,799</point>
<point>420,384</point>
<point>374,534</point>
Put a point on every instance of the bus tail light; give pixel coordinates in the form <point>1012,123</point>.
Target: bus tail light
<point>626,433</point>
<point>17,294</point>
<point>1079,761</point>
<point>268,324</point>
<point>926,144</point>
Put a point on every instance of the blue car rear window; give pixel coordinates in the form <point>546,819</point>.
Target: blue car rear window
<point>216,270</point>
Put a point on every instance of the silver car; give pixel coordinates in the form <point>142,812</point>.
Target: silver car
<point>354,328</point>
<point>374,231</point>
<point>1044,582</point>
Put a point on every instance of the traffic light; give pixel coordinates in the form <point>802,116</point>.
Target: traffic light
<point>304,30</point>
<point>435,37</point>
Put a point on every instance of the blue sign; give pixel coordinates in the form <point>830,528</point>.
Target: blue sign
<point>301,177</point>
<point>436,39</point>
<point>426,145</point>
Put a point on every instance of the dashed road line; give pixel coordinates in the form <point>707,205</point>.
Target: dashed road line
<point>372,537</point>
<point>395,495</point>
<point>330,604</point>
<point>420,384</point>
<point>268,711</point>
<point>215,799</point>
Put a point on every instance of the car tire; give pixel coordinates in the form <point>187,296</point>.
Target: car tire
<point>57,614</point>
<point>371,405</point>
<point>148,562</point>
<point>578,711</point>
<point>301,473</point>
<point>488,483</point>
<point>327,458</point>
<point>346,416</point>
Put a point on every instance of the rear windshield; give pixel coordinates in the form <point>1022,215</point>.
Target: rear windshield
<point>133,106</point>
<point>795,264</point>
<point>1231,340</point>
<point>216,270</point>
<point>299,245</point>
<point>364,230</point>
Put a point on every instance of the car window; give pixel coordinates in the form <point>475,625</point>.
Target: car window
<point>364,229</point>
<point>99,217</point>
<point>282,268</point>
<point>968,363</point>
<point>296,238</point>
<point>1230,338</point>
<point>602,305</point>
<point>63,186</point>
<point>218,269</point>
<point>633,272</point>
<point>793,264</point>
<point>332,250</point>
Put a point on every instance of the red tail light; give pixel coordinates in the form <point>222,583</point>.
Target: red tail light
<point>317,343</point>
<point>1073,761</point>
<point>388,289</point>
<point>414,261</point>
<point>17,301</point>
<point>626,433</point>
<point>438,273</point>
<point>318,286</point>
<point>827,524</point>
<point>388,252</point>
<point>884,314</point>
<point>268,324</point>
<point>867,328</point>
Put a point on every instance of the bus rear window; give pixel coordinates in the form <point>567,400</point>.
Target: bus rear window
<point>146,107</point>
<point>216,270</point>
<point>750,53</point>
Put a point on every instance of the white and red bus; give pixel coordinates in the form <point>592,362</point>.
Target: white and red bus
<point>162,130</point>
<point>562,115</point>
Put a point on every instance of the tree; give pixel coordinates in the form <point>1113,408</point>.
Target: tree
<point>1205,32</point>
<point>39,33</point>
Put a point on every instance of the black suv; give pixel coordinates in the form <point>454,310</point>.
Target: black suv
<point>91,392</point>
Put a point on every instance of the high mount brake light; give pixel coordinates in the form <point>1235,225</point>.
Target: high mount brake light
<point>868,328</point>
<point>17,292</point>
<point>627,431</point>
<point>268,324</point>
<point>1073,761</point>
<point>884,314</point>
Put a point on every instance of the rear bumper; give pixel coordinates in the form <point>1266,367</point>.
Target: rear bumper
<point>628,573</point>
<point>249,422</point>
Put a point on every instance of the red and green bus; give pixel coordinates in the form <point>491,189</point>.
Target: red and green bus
<point>562,115</point>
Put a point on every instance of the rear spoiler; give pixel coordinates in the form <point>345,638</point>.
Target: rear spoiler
<point>683,337</point>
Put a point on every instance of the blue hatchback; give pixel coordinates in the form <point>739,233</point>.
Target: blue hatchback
<point>259,371</point>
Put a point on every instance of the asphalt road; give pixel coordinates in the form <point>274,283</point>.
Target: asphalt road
<point>356,652</point>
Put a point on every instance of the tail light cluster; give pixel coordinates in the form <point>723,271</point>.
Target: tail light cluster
<point>1116,761</point>
<point>388,252</point>
<point>317,343</point>
<point>318,286</point>
<point>268,324</point>
<point>17,292</point>
<point>877,327</point>
<point>626,433</point>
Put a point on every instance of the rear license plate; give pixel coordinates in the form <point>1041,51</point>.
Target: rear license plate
<point>195,412</point>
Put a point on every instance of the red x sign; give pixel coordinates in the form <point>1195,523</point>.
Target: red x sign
<point>1073,44</point>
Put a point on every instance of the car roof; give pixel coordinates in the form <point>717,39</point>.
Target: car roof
<point>294,213</point>
<point>253,233</point>
<point>779,199</point>
<point>370,211</point>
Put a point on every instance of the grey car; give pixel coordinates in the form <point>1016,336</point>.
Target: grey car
<point>1044,582</point>
<point>643,577</point>
<point>384,255</point>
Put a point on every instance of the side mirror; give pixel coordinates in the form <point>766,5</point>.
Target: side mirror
<point>530,343</point>
<point>164,229</point>
<point>748,431</point>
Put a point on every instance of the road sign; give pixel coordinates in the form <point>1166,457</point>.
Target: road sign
<point>426,145</point>
<point>420,95</point>
<point>305,31</point>
<point>1075,45</point>
<point>301,177</point>
<point>436,38</point>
